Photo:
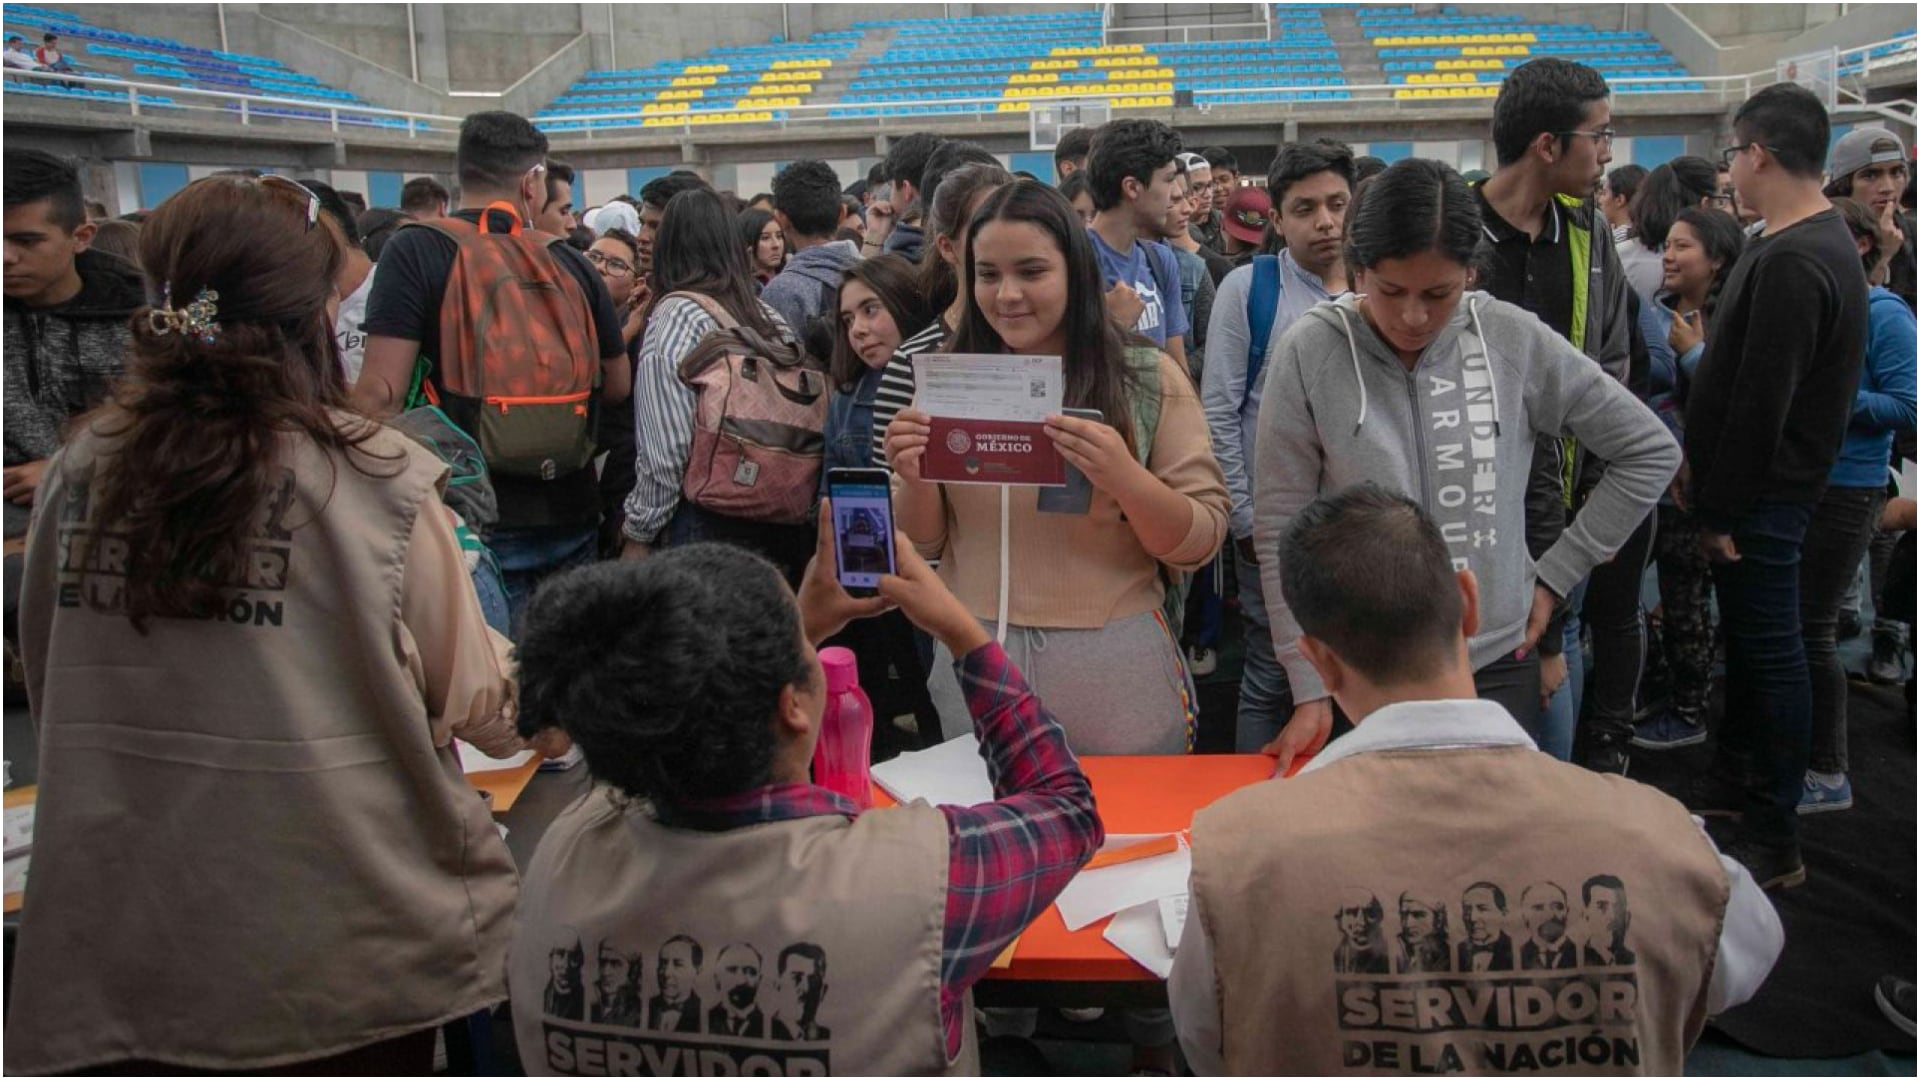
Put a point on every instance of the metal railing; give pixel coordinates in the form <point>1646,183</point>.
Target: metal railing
<point>1164,33</point>
<point>251,107</point>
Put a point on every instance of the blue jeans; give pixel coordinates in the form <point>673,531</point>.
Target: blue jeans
<point>493,596</point>
<point>1557,721</point>
<point>1266,700</point>
<point>1769,713</point>
<point>528,556</point>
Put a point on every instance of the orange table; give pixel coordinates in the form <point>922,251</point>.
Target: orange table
<point>1135,795</point>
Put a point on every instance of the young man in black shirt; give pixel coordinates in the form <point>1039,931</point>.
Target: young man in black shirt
<point>545,524</point>
<point>1769,406</point>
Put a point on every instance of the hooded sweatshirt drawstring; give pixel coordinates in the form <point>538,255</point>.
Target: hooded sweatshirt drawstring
<point>1353,351</point>
<point>1493,386</point>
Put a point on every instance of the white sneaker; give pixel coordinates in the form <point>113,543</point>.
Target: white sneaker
<point>1202,661</point>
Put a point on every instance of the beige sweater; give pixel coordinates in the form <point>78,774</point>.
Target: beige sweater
<point>1082,571</point>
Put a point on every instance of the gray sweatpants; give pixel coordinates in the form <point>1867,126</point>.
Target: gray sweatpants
<point>1120,689</point>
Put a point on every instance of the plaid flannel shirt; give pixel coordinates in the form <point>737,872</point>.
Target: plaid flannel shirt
<point>1008,859</point>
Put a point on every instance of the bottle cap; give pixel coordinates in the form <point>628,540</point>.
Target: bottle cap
<point>843,671</point>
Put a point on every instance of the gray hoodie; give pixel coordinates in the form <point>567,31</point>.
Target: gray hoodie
<point>805,290</point>
<point>1457,434</point>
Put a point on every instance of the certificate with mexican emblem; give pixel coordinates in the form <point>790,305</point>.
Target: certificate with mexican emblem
<point>988,415</point>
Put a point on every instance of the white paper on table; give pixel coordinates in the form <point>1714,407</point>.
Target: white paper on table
<point>1136,932</point>
<point>473,760</point>
<point>951,774</point>
<point>971,386</point>
<point>1094,894</point>
<point>16,879</point>
<point>1173,918</point>
<point>19,828</point>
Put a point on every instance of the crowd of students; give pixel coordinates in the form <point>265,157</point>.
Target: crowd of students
<point>307,491</point>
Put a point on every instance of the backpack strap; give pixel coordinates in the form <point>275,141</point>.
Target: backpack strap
<point>1143,362</point>
<point>1263,306</point>
<point>708,304</point>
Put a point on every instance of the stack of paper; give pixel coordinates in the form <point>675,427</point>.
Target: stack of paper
<point>474,760</point>
<point>1147,898</point>
<point>951,774</point>
<point>19,846</point>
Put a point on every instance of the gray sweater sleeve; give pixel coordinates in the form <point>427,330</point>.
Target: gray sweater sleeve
<point>1287,458</point>
<point>1567,394</point>
<point>1223,389</point>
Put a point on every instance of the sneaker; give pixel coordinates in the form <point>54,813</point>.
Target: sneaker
<point>1202,661</point>
<point>1818,798</point>
<point>1888,665</point>
<point>1774,865</point>
<point>1667,730</point>
<point>1895,998</point>
<point>1605,754</point>
<point>1083,1016</point>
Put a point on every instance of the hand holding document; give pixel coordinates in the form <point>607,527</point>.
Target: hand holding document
<point>988,418</point>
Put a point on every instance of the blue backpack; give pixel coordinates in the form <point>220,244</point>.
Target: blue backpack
<point>1263,306</point>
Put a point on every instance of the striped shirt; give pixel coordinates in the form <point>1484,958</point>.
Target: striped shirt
<point>896,384</point>
<point>663,414</point>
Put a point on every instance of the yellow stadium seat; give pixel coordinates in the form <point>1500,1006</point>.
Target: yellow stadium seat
<point>1402,95</point>
<point>1165,101</point>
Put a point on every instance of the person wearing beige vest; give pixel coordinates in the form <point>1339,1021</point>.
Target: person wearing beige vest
<point>249,641</point>
<point>776,929</point>
<point>1431,893</point>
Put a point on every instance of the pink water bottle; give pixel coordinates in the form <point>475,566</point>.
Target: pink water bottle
<point>841,757</point>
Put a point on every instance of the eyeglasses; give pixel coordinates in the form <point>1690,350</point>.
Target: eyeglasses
<point>610,263</point>
<point>313,201</point>
<point>1603,136</point>
<point>1720,202</point>
<point>1731,152</point>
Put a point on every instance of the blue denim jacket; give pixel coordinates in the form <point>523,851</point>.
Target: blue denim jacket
<point>849,430</point>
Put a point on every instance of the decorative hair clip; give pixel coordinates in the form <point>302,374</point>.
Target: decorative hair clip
<point>196,320</point>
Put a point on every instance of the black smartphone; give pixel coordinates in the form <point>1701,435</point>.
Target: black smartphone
<point>1076,496</point>
<point>862,527</point>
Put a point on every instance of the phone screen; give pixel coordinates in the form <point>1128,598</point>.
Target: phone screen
<point>862,527</point>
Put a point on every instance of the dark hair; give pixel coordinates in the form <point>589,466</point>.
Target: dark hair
<point>49,38</point>
<point>752,223</point>
<point>497,149</point>
<point>423,193</point>
<point>118,238</point>
<point>1545,95</point>
<point>946,215</point>
<point>335,207</point>
<point>808,192</point>
<point>558,172</point>
<point>945,158</point>
<point>1723,239</point>
<point>877,175</point>
<point>33,175</point>
<point>695,952</point>
<point>1499,894</point>
<point>198,426</point>
<point>892,279</point>
<point>355,200</point>
<point>1859,221</point>
<point>660,190</point>
<point>689,650</point>
<point>1075,185</point>
<point>1127,148</point>
<point>1667,190</point>
<point>1626,180</point>
<point>1791,123</point>
<point>376,227</point>
<point>1097,373</point>
<point>1366,571</point>
<point>96,209</point>
<point>1601,881</point>
<point>907,158</point>
<point>764,197</point>
<point>1219,157</point>
<point>852,205</point>
<point>1366,167</point>
<point>1416,205</point>
<point>1297,161</point>
<point>1074,145</point>
<point>697,250</point>
<point>622,236</point>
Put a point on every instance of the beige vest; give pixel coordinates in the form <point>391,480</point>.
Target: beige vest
<point>248,850</point>
<point>1477,910</point>
<point>798,948</point>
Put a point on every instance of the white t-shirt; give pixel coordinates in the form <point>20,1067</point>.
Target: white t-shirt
<point>347,328</point>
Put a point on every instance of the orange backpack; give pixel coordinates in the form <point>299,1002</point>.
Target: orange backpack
<point>519,356</point>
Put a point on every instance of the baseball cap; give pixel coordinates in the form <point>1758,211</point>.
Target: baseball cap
<point>614,215</point>
<point>1193,162</point>
<point>1862,147</point>
<point>1246,214</point>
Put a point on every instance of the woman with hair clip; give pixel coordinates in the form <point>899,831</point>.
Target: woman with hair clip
<point>245,604</point>
<point>942,281</point>
<point>1680,184</point>
<point>1412,383</point>
<point>1075,591</point>
<point>695,259</point>
<point>1702,247</point>
<point>765,244</point>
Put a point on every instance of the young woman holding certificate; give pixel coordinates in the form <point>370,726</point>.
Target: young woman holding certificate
<point>1073,579</point>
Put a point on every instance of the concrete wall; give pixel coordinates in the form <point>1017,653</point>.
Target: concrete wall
<point>373,32</point>
<point>1699,49</point>
<point>646,33</point>
<point>491,46</point>
<point>1745,24</point>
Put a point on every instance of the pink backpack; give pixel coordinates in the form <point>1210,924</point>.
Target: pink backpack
<point>758,423</point>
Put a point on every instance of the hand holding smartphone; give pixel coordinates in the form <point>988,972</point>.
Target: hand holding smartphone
<point>862,502</point>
